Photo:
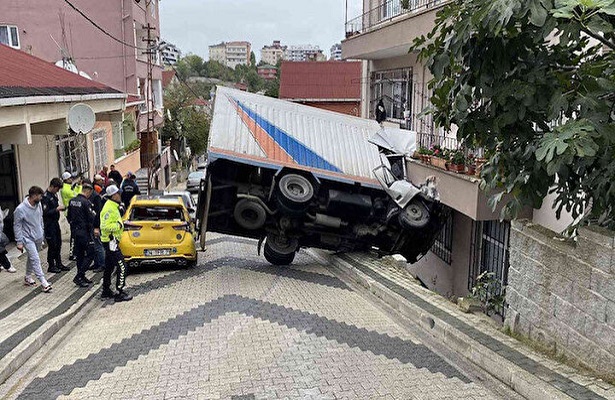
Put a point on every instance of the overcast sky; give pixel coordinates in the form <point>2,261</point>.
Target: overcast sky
<point>193,25</point>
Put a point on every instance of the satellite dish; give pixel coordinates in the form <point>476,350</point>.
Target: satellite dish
<point>81,118</point>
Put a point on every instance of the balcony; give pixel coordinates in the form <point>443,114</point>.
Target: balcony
<point>388,30</point>
<point>457,190</point>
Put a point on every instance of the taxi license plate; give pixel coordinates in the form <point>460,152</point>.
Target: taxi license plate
<point>158,252</point>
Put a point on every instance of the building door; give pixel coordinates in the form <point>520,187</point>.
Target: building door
<point>9,197</point>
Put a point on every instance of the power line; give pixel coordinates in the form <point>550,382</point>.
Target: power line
<point>71,5</point>
<point>184,82</point>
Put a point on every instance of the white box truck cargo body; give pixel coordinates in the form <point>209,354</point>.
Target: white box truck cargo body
<point>297,176</point>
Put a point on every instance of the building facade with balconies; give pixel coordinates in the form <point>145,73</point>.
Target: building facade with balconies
<point>474,240</point>
<point>273,53</point>
<point>231,54</point>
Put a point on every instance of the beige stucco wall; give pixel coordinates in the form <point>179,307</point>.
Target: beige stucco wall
<point>130,162</point>
<point>37,163</point>
<point>448,280</point>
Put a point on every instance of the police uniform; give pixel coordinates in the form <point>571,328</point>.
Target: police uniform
<point>53,234</point>
<point>80,215</point>
<point>111,227</point>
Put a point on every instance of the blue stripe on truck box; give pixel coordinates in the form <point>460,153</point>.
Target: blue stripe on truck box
<point>302,154</point>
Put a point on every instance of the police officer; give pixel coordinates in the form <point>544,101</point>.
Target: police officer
<point>129,188</point>
<point>69,190</point>
<point>81,218</point>
<point>51,223</point>
<point>111,227</point>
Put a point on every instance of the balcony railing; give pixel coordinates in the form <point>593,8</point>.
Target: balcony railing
<point>429,140</point>
<point>386,11</point>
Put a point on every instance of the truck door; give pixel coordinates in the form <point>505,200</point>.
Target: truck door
<point>203,209</point>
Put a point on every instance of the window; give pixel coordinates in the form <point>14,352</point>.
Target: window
<point>157,86</point>
<point>156,213</point>
<point>394,87</point>
<point>152,7</point>
<point>73,153</point>
<point>100,149</point>
<point>443,245</point>
<point>9,35</point>
<point>489,252</point>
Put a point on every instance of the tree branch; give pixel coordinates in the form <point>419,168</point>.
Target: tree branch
<point>596,36</point>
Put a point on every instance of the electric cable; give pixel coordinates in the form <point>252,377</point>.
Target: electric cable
<point>71,5</point>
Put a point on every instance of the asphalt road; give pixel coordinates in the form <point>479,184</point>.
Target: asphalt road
<point>235,327</point>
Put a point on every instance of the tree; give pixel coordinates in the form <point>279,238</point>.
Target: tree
<point>185,121</point>
<point>252,60</point>
<point>190,65</point>
<point>530,81</point>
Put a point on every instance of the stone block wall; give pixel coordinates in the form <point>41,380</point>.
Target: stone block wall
<point>563,295</point>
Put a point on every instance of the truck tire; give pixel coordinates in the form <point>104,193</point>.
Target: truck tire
<point>415,215</point>
<point>295,191</point>
<point>276,258</point>
<point>249,214</point>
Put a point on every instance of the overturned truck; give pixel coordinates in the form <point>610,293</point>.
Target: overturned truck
<point>294,176</point>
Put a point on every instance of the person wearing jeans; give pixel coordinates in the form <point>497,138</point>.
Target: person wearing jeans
<point>29,234</point>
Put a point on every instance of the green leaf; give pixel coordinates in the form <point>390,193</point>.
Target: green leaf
<point>538,14</point>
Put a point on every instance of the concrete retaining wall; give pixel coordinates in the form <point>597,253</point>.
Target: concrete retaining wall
<point>563,295</point>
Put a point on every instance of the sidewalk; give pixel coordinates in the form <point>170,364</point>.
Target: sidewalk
<point>529,373</point>
<point>30,317</point>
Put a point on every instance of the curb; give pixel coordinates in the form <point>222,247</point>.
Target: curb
<point>521,381</point>
<point>26,349</point>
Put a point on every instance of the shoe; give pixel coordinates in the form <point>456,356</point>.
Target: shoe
<point>86,280</point>
<point>47,289</point>
<point>107,294</point>
<point>54,270</point>
<point>122,296</point>
<point>12,269</point>
<point>64,267</point>
<point>80,283</point>
<point>29,281</point>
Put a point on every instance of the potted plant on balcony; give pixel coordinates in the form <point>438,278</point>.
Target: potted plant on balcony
<point>424,154</point>
<point>470,165</point>
<point>439,157</point>
<point>457,162</point>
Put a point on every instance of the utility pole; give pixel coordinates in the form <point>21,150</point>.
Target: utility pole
<point>150,52</point>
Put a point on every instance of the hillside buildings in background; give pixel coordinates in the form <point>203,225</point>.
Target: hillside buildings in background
<point>304,52</point>
<point>336,52</point>
<point>267,72</point>
<point>231,54</point>
<point>273,54</point>
<point>170,53</point>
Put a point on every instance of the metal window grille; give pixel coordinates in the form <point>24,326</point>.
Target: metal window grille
<point>490,252</point>
<point>394,87</point>
<point>73,153</point>
<point>100,149</point>
<point>443,245</point>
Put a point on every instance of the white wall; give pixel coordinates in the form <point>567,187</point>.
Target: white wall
<point>37,163</point>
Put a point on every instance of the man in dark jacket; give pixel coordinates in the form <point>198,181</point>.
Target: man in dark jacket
<point>129,188</point>
<point>51,217</point>
<point>81,218</point>
<point>115,175</point>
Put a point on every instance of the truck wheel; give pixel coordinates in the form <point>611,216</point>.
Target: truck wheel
<point>295,191</point>
<point>414,216</point>
<point>249,214</point>
<point>276,258</point>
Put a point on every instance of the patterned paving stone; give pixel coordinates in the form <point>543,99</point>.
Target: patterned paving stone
<point>235,327</point>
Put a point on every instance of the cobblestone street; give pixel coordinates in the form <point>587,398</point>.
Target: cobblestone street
<point>236,327</point>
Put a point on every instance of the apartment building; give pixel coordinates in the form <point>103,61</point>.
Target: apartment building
<point>473,240</point>
<point>64,37</point>
<point>273,53</point>
<point>304,52</point>
<point>336,52</point>
<point>231,54</point>
<point>267,72</point>
<point>170,53</point>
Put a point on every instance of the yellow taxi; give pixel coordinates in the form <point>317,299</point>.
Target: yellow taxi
<point>158,231</point>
